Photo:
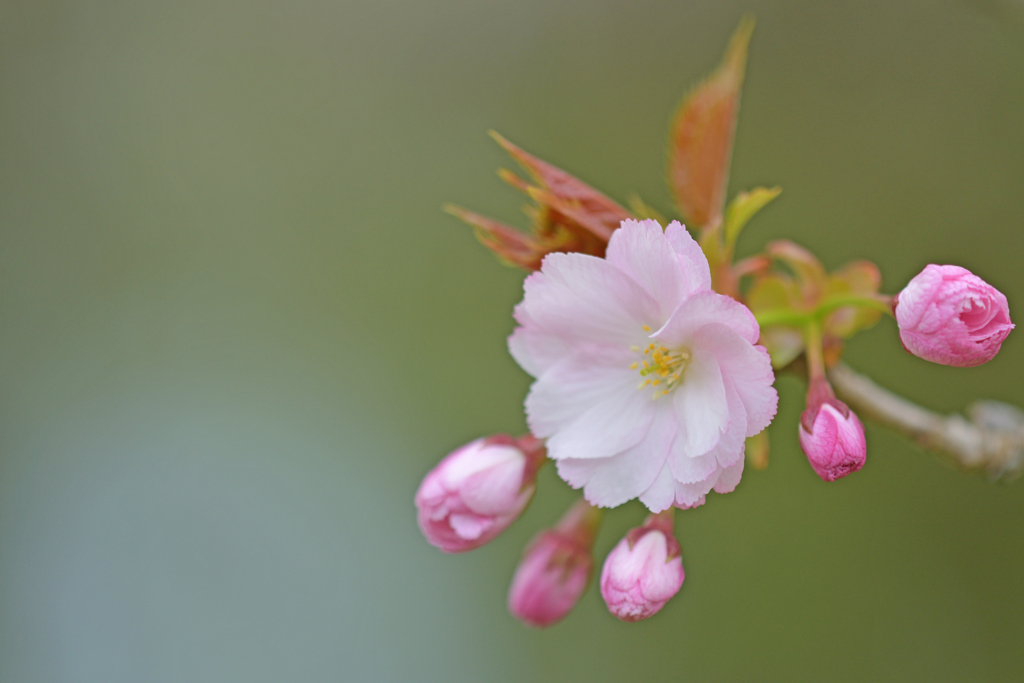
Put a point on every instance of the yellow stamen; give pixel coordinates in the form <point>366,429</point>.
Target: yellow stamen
<point>647,328</point>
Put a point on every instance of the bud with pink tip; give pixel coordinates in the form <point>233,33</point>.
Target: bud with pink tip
<point>555,568</point>
<point>948,315</point>
<point>644,570</point>
<point>477,491</point>
<point>830,434</point>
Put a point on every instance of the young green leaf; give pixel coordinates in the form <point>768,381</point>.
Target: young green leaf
<point>742,208</point>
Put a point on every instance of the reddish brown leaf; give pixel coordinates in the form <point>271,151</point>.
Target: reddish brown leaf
<point>593,210</point>
<point>700,144</point>
<point>512,246</point>
<point>569,215</point>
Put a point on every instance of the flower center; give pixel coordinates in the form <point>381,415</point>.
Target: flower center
<point>661,367</point>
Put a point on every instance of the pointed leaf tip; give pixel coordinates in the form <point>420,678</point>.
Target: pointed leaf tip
<point>743,207</point>
<point>702,131</point>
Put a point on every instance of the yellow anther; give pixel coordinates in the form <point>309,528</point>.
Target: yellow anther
<point>647,328</point>
<point>662,366</point>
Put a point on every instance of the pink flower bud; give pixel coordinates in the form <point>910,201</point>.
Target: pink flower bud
<point>643,571</point>
<point>477,491</point>
<point>830,434</point>
<point>555,569</point>
<point>950,316</point>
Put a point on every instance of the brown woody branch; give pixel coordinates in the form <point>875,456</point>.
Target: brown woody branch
<point>991,440</point>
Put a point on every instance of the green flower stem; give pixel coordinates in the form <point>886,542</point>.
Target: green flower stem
<point>788,316</point>
<point>878,302</point>
<point>815,353</point>
<point>783,316</point>
<point>581,523</point>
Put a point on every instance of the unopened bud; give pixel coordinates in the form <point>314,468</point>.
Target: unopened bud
<point>477,491</point>
<point>950,316</point>
<point>831,435</point>
<point>555,569</point>
<point>643,571</point>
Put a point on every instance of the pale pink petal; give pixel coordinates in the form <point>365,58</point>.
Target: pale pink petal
<point>536,350</point>
<point>729,477</point>
<point>691,258</point>
<point>693,495</point>
<point>701,405</point>
<point>584,299</point>
<point>608,482</point>
<point>474,457</point>
<point>494,490</point>
<point>688,469</point>
<point>470,526</point>
<point>701,309</point>
<point>748,367</point>
<point>660,494</point>
<point>578,383</point>
<point>696,504</point>
<point>641,250</point>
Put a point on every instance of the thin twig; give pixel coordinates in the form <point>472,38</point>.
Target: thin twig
<point>992,440</point>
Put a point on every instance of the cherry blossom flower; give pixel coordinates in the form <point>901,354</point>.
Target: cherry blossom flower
<point>647,381</point>
<point>951,316</point>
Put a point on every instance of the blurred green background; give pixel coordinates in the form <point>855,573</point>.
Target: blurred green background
<point>236,330</point>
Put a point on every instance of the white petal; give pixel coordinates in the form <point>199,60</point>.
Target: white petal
<point>584,299</point>
<point>701,309</point>
<point>661,494</point>
<point>748,368</point>
<point>730,447</point>
<point>641,250</point>
<point>691,257</point>
<point>612,481</point>
<point>576,384</point>
<point>700,405</point>
<point>610,427</point>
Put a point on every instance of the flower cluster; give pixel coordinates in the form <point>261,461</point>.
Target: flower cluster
<point>654,354</point>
